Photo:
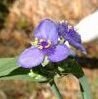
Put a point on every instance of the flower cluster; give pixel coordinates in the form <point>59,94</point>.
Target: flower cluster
<point>48,35</point>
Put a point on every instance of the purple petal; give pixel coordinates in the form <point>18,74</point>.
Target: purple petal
<point>31,57</point>
<point>74,39</point>
<point>47,29</point>
<point>61,52</point>
<point>70,35</point>
<point>62,28</point>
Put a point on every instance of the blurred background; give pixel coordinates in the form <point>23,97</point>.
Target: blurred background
<point>17,21</point>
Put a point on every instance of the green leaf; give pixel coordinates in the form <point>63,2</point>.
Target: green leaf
<point>22,74</point>
<point>10,71</point>
<point>7,65</point>
<point>70,65</point>
<point>85,88</point>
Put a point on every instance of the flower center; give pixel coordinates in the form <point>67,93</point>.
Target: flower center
<point>41,43</point>
<point>44,44</point>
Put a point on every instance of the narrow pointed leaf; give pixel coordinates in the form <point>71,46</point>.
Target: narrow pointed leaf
<point>23,74</point>
<point>85,88</point>
<point>10,71</point>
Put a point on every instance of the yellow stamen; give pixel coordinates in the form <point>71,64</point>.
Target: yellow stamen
<point>35,42</point>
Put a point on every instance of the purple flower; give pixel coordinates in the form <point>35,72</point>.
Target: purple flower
<point>69,34</point>
<point>46,44</point>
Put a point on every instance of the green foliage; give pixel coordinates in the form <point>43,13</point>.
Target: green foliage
<point>7,65</point>
<point>85,88</point>
<point>71,66</point>
<point>10,71</point>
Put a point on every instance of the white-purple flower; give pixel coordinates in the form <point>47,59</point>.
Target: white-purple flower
<point>46,44</point>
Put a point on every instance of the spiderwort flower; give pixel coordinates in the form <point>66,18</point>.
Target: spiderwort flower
<point>45,45</point>
<point>70,34</point>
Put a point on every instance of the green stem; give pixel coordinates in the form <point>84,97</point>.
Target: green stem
<point>55,89</point>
